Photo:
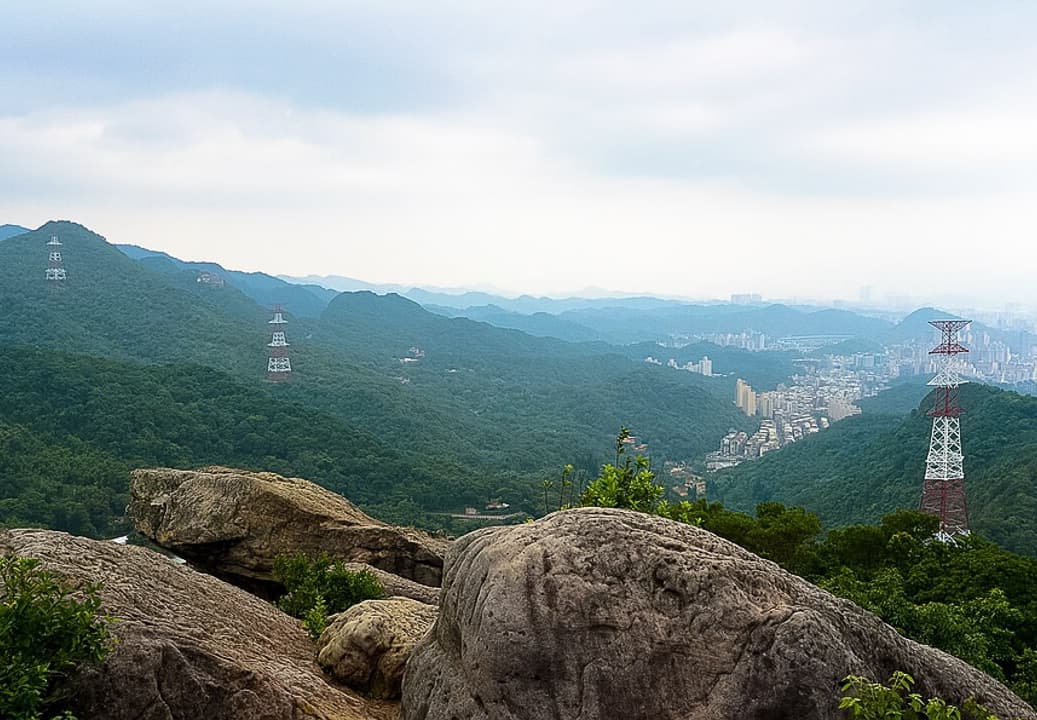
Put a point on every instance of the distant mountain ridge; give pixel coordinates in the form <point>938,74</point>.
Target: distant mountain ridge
<point>541,324</point>
<point>617,319</point>
<point>916,326</point>
<point>267,290</point>
<point>7,231</point>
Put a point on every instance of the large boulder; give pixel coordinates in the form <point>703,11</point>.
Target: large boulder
<point>233,523</point>
<point>367,646</point>
<point>188,645</point>
<point>594,613</point>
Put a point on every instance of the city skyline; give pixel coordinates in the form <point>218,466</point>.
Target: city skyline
<point>809,151</point>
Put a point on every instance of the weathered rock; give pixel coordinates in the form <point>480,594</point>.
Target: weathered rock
<point>396,586</point>
<point>595,613</point>
<point>368,645</point>
<point>190,646</point>
<point>234,523</point>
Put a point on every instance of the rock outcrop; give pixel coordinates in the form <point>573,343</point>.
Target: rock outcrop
<point>233,523</point>
<point>594,613</point>
<point>367,646</point>
<point>190,646</point>
<point>396,586</point>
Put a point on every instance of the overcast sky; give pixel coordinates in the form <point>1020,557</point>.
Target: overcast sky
<point>796,149</point>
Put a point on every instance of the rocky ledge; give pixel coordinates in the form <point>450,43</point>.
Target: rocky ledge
<point>190,646</point>
<point>233,523</point>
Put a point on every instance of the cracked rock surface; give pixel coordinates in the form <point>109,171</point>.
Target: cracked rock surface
<point>367,646</point>
<point>594,613</point>
<point>189,646</point>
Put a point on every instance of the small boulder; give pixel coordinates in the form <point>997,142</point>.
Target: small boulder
<point>367,646</point>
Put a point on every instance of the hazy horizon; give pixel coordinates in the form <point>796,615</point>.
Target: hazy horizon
<point>864,152</point>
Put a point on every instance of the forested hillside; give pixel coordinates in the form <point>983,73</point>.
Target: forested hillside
<point>870,465</point>
<point>763,370</point>
<point>541,324</point>
<point>74,426</point>
<point>112,307</point>
<point>900,399</point>
<point>479,413</point>
<point>305,300</point>
<point>521,400</point>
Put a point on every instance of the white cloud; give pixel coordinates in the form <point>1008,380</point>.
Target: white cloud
<point>806,152</point>
<point>973,139</point>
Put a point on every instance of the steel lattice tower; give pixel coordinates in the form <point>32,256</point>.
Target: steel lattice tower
<point>943,492</point>
<point>55,269</point>
<point>278,367</point>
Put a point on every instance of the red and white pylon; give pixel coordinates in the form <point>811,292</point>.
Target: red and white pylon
<point>943,491</point>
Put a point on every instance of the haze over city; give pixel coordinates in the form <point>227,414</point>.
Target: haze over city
<point>801,151</point>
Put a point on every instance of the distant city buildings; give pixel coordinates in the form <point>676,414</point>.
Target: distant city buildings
<point>989,360</point>
<point>746,299</point>
<point>702,367</point>
<point>826,388</point>
<point>818,397</point>
<point>745,397</point>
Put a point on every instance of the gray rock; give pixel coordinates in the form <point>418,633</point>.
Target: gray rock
<point>594,613</point>
<point>233,523</point>
<point>367,646</point>
<point>189,646</point>
<point>396,586</point>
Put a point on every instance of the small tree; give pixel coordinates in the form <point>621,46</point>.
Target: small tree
<point>48,628</point>
<point>319,586</point>
<point>630,485</point>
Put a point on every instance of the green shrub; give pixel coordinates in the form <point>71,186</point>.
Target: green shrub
<point>866,700</point>
<point>318,586</point>
<point>316,620</point>
<point>628,483</point>
<point>47,629</point>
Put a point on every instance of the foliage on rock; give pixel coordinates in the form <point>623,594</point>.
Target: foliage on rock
<point>48,628</point>
<point>319,586</point>
<point>867,700</point>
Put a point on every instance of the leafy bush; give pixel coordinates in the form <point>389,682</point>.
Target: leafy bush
<point>629,485</point>
<point>866,700</point>
<point>319,586</point>
<point>47,629</point>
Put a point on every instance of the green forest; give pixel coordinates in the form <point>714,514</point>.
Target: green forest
<point>75,426</point>
<point>866,466</point>
<point>136,363</point>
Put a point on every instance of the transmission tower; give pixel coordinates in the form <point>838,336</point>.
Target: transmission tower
<point>278,367</point>
<point>943,492</point>
<point>55,269</point>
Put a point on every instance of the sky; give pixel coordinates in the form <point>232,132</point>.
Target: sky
<point>697,149</point>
